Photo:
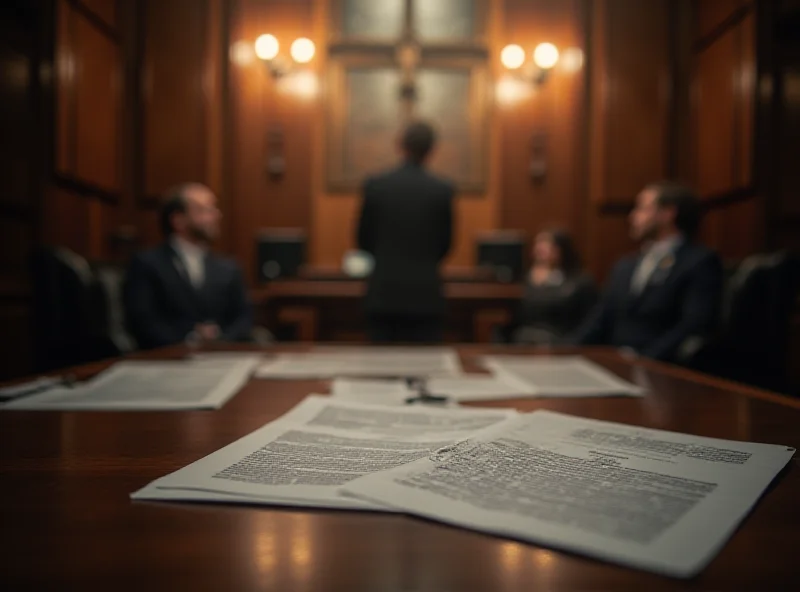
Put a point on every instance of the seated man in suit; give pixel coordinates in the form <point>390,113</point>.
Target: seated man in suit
<point>406,224</point>
<point>181,291</point>
<point>656,300</point>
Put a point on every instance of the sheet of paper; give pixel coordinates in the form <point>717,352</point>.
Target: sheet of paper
<point>659,501</point>
<point>363,362</point>
<point>141,385</point>
<point>569,376</point>
<point>11,392</point>
<point>303,458</point>
<point>480,387</point>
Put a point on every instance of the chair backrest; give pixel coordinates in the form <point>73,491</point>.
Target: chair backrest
<point>759,299</point>
<point>75,315</point>
<point>111,278</point>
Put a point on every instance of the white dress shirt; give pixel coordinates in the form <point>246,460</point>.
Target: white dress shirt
<point>654,255</point>
<point>192,258</point>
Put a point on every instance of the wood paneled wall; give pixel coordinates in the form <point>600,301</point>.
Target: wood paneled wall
<point>22,30</point>
<point>87,198</point>
<point>723,117</point>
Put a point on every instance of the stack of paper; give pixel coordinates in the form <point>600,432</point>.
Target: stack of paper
<point>140,385</point>
<point>303,458</point>
<point>374,362</point>
<point>560,376</point>
<point>654,500</point>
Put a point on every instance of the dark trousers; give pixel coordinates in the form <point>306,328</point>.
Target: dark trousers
<point>405,329</point>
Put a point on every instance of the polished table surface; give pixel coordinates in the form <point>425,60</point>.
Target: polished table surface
<point>68,522</point>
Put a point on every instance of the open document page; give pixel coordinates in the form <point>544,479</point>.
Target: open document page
<point>304,457</point>
<point>142,386</point>
<point>569,376</point>
<point>364,362</point>
<point>655,500</point>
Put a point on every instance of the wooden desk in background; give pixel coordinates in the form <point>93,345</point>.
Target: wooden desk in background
<point>69,524</point>
<point>332,309</point>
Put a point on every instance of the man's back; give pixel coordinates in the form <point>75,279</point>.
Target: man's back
<point>406,224</point>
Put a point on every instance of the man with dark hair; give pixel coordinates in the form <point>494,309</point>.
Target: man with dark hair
<point>656,301</point>
<point>181,291</point>
<point>406,224</point>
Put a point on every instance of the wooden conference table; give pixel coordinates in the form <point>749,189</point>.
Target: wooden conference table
<point>68,523</point>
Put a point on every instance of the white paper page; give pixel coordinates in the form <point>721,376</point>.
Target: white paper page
<point>659,501</point>
<point>480,388</point>
<point>561,376</point>
<point>362,363</point>
<point>141,385</point>
<point>11,392</point>
<point>303,458</point>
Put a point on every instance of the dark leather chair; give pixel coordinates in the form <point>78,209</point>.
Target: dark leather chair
<point>72,311</point>
<point>752,344</point>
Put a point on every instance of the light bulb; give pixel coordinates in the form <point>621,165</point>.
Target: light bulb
<point>545,55</point>
<point>303,50</point>
<point>512,56</point>
<point>267,47</point>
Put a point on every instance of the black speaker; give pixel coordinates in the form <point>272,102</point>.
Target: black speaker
<point>504,254</point>
<point>280,253</point>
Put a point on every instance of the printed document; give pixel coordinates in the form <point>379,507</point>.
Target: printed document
<point>569,376</point>
<point>304,457</point>
<point>362,362</point>
<point>141,385</point>
<point>655,500</point>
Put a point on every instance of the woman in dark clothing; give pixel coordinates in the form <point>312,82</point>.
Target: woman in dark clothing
<point>558,292</point>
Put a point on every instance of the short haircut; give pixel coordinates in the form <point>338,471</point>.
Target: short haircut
<point>688,209</point>
<point>419,139</point>
<point>174,202</point>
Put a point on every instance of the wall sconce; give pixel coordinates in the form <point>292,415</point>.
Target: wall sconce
<point>545,57</point>
<point>267,49</point>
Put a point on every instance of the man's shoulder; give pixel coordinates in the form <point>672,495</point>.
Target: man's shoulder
<point>225,263</point>
<point>697,254</point>
<point>151,256</point>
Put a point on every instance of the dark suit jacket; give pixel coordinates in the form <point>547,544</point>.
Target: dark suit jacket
<point>681,300</point>
<point>163,307</point>
<point>406,224</point>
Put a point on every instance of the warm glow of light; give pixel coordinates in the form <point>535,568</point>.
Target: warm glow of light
<point>301,85</point>
<point>510,90</point>
<point>242,53</point>
<point>545,55</point>
<point>267,47</point>
<point>571,60</point>
<point>512,56</point>
<point>303,50</point>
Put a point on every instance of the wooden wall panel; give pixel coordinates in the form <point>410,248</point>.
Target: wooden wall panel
<point>724,117</point>
<point>789,131</point>
<point>712,14</point>
<point>98,102</point>
<point>714,116</point>
<point>554,114</point>
<point>631,97</point>
<point>175,95</point>
<point>736,230</point>
<point>106,10</point>
<point>22,145</point>
<point>260,106</point>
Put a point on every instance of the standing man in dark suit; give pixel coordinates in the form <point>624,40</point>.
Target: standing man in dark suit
<point>407,225</point>
<point>657,300</point>
<point>180,290</point>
